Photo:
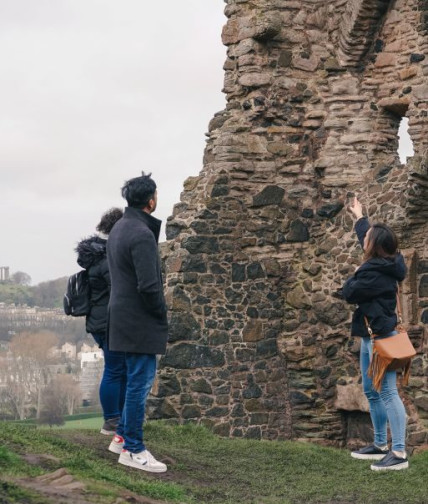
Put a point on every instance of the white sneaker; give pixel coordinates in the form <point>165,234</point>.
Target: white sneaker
<point>143,460</point>
<point>116,444</point>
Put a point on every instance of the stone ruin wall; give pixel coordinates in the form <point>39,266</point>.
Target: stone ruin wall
<point>260,242</point>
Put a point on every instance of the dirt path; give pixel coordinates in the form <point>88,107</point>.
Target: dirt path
<point>59,486</point>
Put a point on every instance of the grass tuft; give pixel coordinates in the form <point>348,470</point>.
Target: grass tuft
<point>7,458</point>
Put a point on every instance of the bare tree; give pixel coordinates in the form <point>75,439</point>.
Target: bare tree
<point>17,379</point>
<point>6,412</point>
<point>68,388</point>
<point>28,373</point>
<point>53,406</point>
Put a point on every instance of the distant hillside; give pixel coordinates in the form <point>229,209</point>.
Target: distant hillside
<point>46,294</point>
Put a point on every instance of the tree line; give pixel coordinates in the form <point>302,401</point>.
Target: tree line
<point>17,290</point>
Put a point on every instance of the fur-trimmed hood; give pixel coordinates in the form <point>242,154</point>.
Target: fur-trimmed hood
<point>90,250</point>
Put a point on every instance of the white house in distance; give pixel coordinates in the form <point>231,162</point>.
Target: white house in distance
<point>89,354</point>
<point>69,350</point>
<point>91,360</point>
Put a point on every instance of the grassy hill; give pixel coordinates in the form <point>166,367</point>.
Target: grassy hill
<point>73,465</point>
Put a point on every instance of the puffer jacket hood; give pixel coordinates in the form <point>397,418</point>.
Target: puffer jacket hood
<point>92,257</point>
<point>90,251</point>
<point>392,267</point>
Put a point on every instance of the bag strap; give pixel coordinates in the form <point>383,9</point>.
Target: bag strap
<point>398,310</point>
<point>369,329</point>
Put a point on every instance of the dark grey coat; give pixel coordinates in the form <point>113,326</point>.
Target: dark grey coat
<point>137,309</point>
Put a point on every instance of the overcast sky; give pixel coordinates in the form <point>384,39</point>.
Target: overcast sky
<point>91,93</point>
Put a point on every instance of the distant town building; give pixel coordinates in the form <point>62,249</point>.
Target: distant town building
<point>91,365</point>
<point>69,351</point>
<point>93,355</point>
<point>90,377</point>
<point>89,348</point>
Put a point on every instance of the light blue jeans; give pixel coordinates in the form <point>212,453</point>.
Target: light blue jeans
<point>386,405</point>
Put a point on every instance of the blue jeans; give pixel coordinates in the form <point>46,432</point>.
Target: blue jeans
<point>141,372</point>
<point>113,382</point>
<point>386,405</point>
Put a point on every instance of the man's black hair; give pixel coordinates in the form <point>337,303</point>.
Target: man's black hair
<point>109,219</point>
<point>139,191</point>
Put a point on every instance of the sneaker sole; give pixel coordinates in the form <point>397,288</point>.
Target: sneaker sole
<point>115,449</point>
<point>360,456</point>
<point>395,467</point>
<point>107,432</point>
<point>136,465</point>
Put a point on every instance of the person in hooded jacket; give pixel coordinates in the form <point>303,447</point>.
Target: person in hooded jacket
<point>373,288</point>
<point>92,256</point>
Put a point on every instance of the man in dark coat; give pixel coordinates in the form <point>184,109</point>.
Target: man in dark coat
<point>137,314</point>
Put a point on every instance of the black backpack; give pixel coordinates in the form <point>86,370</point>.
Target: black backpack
<point>77,298</point>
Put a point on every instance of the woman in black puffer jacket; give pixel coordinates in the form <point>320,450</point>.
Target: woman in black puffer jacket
<point>92,257</point>
<point>373,287</point>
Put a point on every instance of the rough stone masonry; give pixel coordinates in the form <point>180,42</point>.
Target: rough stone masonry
<point>260,241</point>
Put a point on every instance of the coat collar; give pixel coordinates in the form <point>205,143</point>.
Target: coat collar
<point>151,222</point>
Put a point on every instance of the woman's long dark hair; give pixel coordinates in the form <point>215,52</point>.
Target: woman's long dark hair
<point>382,242</point>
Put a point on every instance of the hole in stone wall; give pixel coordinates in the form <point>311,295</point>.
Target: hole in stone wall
<point>405,144</point>
<point>359,428</point>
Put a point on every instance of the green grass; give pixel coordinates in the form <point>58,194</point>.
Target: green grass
<point>11,494</point>
<point>284,472</point>
<point>81,459</point>
<point>90,422</point>
<point>212,470</point>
